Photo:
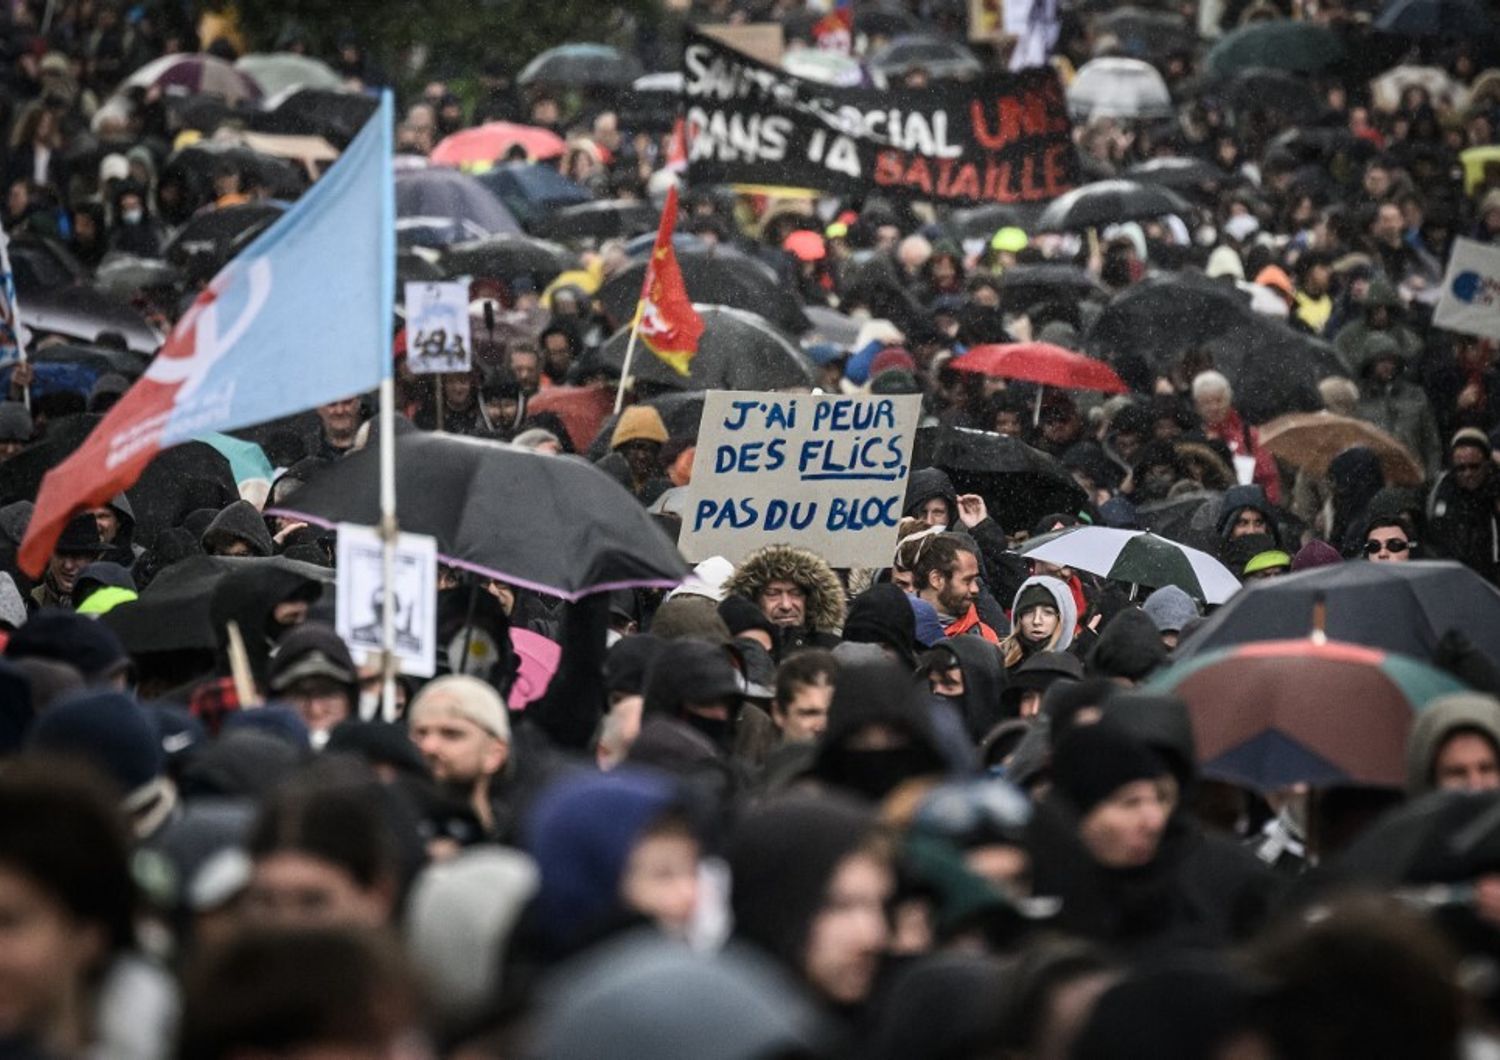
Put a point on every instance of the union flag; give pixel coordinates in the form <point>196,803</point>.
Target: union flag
<point>665,320</point>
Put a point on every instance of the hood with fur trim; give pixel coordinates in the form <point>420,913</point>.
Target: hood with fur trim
<point>825,594</point>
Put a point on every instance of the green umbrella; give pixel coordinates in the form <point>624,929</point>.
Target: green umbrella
<point>1301,47</point>
<point>246,459</point>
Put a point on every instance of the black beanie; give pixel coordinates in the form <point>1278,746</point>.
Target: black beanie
<point>1032,596</point>
<point>1095,761</point>
<point>740,614</point>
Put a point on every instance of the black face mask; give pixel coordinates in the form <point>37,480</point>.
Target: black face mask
<point>718,730</point>
<point>955,702</point>
<point>875,774</point>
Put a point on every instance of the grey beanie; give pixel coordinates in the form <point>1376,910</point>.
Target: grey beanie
<point>15,422</point>
<point>1170,609</point>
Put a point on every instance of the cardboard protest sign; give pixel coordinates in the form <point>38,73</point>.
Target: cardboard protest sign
<point>1470,300</point>
<point>1000,138</point>
<point>437,327</point>
<point>826,472</point>
<point>360,600</point>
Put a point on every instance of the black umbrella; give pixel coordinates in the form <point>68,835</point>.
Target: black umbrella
<point>21,475</point>
<point>982,222</point>
<point>412,267</point>
<point>1188,519</point>
<point>1023,286</point>
<point>100,359</point>
<point>123,275</point>
<point>681,413</point>
<point>450,198</point>
<point>831,326</point>
<point>42,264</point>
<point>211,239</point>
<point>174,612</point>
<point>1150,325</point>
<point>508,256</point>
<point>1108,202</point>
<point>1261,89</point>
<point>1190,176</point>
<point>582,64</point>
<point>714,278</point>
<point>885,22</point>
<point>83,313</point>
<point>531,190</point>
<point>197,163</point>
<point>335,116</point>
<point>1143,34</point>
<point>605,219</point>
<point>1399,607</point>
<point>553,524</point>
<point>1445,19</point>
<point>1018,483</point>
<point>739,350</point>
<point>178,481</point>
<point>1319,143</point>
<point>938,56</point>
<point>1442,837</point>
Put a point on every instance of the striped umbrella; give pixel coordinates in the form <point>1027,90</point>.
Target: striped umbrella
<point>1274,713</point>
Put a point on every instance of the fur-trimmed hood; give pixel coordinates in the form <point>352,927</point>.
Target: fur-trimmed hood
<point>825,594</point>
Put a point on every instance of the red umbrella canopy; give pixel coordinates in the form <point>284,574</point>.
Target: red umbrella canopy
<point>490,143</point>
<point>1042,362</point>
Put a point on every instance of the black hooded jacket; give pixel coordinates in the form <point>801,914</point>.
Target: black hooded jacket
<point>883,615</point>
<point>1130,647</point>
<point>783,856</point>
<point>984,682</point>
<point>241,521</point>
<point>925,484</point>
<point>883,694</point>
<point>1237,499</point>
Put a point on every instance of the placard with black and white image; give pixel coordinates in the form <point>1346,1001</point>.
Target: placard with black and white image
<point>437,327</point>
<point>361,599</point>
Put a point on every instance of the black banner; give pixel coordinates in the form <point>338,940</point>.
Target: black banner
<point>1001,138</point>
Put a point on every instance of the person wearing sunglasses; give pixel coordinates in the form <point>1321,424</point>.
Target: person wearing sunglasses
<point>1390,540</point>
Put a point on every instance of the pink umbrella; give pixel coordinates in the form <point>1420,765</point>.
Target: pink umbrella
<point>537,662</point>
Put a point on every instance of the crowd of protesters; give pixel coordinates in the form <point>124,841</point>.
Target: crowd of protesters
<point>923,810</point>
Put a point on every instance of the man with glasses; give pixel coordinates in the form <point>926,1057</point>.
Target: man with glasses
<point>1462,518</point>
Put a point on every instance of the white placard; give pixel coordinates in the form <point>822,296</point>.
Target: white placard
<point>415,596</point>
<point>825,472</point>
<point>1470,299</point>
<point>437,328</point>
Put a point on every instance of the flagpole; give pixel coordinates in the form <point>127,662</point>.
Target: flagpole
<point>635,329</point>
<point>389,529</point>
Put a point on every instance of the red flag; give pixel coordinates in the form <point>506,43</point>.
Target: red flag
<point>834,32</point>
<point>677,150</point>
<point>666,321</point>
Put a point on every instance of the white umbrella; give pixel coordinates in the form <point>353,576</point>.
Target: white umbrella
<point>1386,89</point>
<point>278,71</point>
<point>1119,88</point>
<point>1138,557</point>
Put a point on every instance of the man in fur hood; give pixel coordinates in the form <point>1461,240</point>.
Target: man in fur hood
<point>797,590</point>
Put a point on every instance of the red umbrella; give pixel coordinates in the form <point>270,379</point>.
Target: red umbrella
<point>1044,363</point>
<point>490,143</point>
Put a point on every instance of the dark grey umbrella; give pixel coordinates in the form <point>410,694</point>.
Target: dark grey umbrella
<point>508,256</point>
<point>739,350</point>
<point>1398,607</point>
<point>82,313</point>
<point>1018,483</point>
<point>714,278</point>
<point>582,64</point>
<point>554,524</point>
<point>454,197</point>
<point>606,219</point>
<point>1107,202</point>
